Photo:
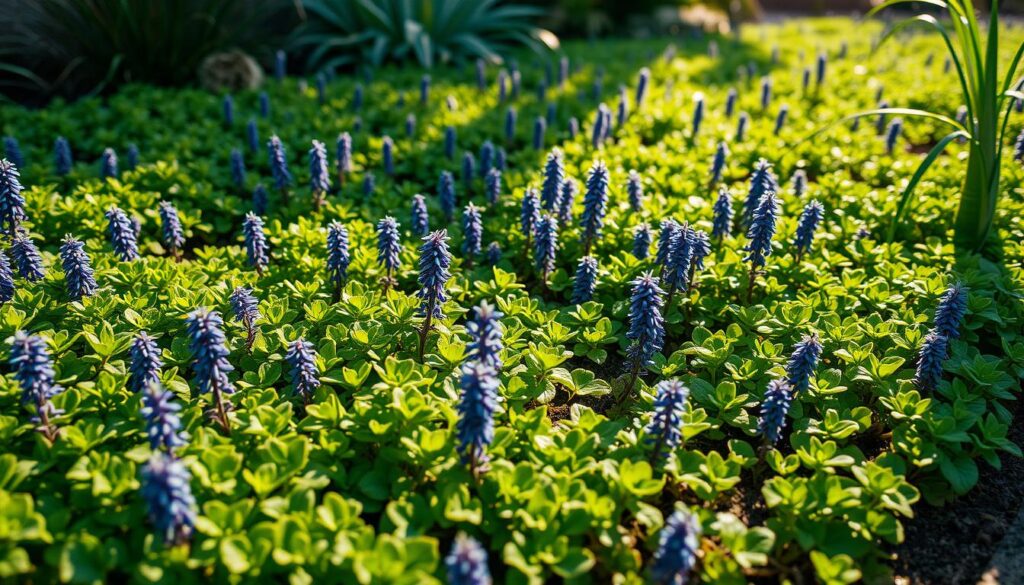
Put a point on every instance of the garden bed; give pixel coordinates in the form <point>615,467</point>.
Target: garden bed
<point>348,458</point>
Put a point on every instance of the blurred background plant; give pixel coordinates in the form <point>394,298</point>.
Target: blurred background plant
<point>591,18</point>
<point>72,48</point>
<point>342,33</point>
<point>80,47</point>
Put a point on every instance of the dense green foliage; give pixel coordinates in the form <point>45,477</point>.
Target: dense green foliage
<point>364,483</point>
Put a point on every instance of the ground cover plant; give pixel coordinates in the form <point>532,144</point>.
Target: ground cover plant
<point>604,319</point>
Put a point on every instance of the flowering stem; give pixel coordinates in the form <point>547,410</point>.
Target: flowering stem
<point>474,467</point>
<point>657,450</point>
<point>45,427</point>
<point>633,375</point>
<point>222,415</point>
<point>250,337</point>
<point>668,299</point>
<point>425,329</point>
<point>750,287</point>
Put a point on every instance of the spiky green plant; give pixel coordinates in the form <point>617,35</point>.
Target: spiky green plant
<point>989,98</point>
<point>340,33</point>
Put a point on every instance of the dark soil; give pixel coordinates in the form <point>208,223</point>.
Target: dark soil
<point>953,544</point>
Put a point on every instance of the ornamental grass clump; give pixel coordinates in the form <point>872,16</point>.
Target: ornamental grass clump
<point>974,53</point>
<point>78,273</point>
<point>301,356</point>
<point>33,370</point>
<point>665,430</point>
<point>257,251</point>
<point>435,263</point>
